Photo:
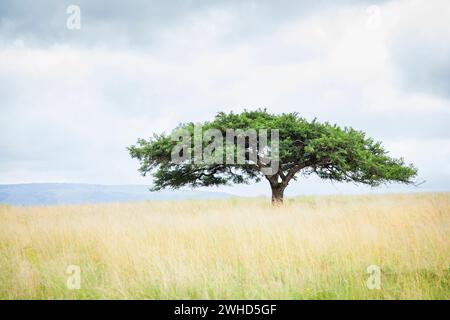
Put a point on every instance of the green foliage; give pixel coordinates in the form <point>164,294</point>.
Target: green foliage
<point>307,147</point>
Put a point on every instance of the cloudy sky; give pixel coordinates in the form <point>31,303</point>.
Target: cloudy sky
<point>71,100</point>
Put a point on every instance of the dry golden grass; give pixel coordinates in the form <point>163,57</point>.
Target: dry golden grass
<point>313,248</point>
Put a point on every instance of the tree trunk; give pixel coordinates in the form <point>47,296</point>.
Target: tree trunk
<point>277,194</point>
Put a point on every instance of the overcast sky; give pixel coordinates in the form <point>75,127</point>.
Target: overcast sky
<point>71,101</point>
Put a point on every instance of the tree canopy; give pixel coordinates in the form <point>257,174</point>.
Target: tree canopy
<point>305,147</point>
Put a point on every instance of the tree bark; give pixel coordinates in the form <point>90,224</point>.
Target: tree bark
<point>277,194</point>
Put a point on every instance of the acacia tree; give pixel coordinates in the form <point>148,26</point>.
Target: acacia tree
<point>305,147</point>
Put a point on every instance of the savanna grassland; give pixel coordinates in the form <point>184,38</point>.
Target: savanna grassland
<point>311,248</point>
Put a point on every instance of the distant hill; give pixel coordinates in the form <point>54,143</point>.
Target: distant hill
<point>68,193</point>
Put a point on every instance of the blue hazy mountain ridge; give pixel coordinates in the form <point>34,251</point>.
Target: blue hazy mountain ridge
<point>68,193</point>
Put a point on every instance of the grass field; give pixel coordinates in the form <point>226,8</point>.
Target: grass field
<point>311,248</point>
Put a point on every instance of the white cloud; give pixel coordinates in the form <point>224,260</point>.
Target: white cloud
<point>69,110</point>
